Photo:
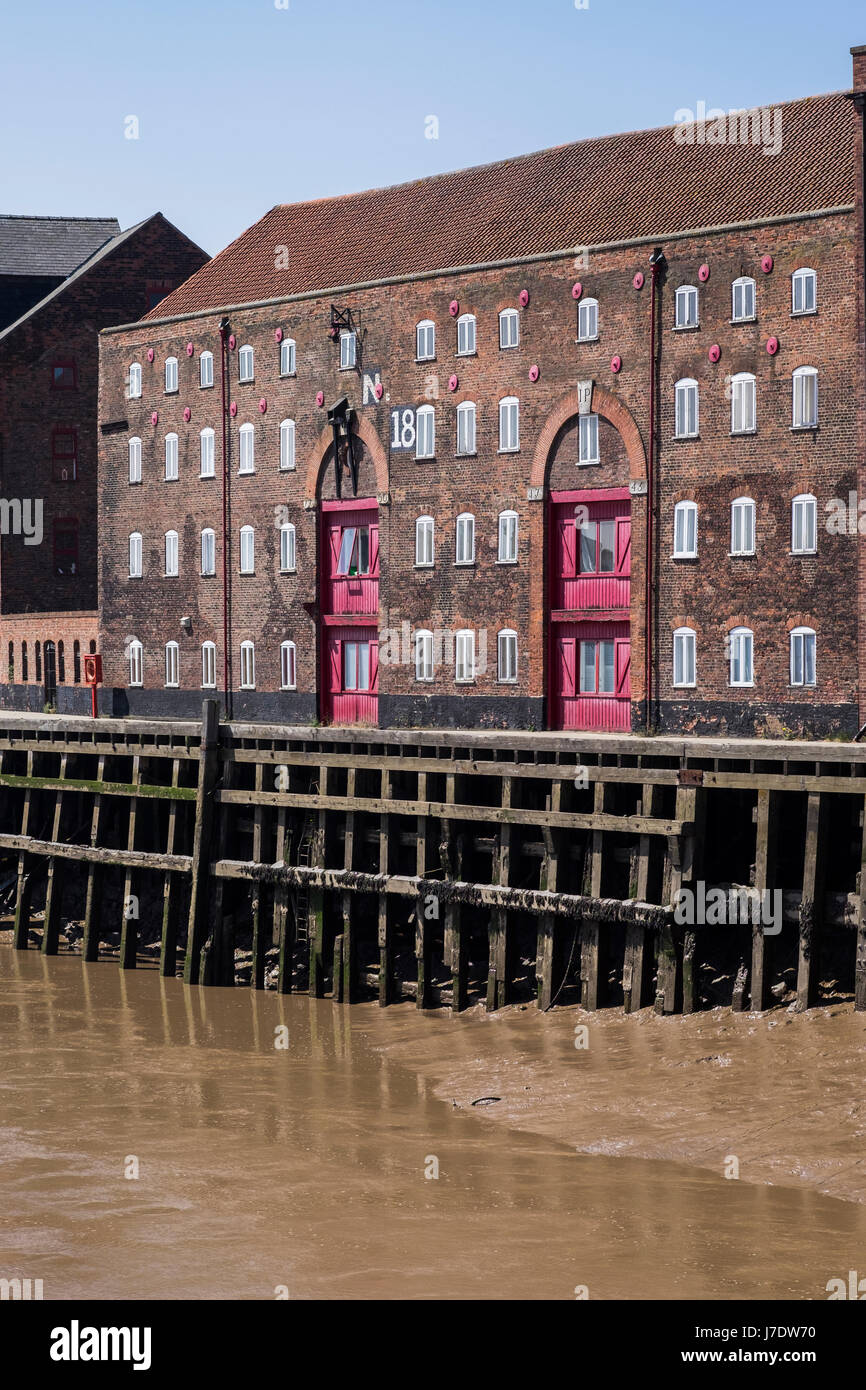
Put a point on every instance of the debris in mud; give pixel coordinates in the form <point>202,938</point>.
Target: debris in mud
<point>486,1100</point>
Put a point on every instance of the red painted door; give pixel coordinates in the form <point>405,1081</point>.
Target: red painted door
<point>351,675</point>
<point>592,556</point>
<point>351,556</point>
<point>592,686</point>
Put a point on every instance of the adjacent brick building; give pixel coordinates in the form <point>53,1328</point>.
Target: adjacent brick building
<point>66,278</point>
<point>516,366</point>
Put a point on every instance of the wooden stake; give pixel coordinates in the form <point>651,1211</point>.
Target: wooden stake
<point>170,891</point>
<point>546,947</point>
<point>385,941</point>
<point>201,849</point>
<point>766,847</point>
<point>860,961</point>
<point>21,929</point>
<point>811,905</point>
<point>54,886</point>
<point>498,957</point>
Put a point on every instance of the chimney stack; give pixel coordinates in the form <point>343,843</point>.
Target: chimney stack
<point>859,56</point>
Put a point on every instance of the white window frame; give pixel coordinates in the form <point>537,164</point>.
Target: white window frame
<point>207,453</point>
<point>288,548</point>
<point>348,350</point>
<point>687,297</point>
<point>587,439</point>
<point>743,403</point>
<point>288,357</point>
<point>172,665</point>
<point>247,449</point>
<point>136,663</point>
<point>464,656</point>
<point>247,554</point>
<point>425,341</point>
<point>689,512</point>
<point>466,426</point>
<point>686,389</point>
<point>587,321</point>
<point>742,642</point>
<point>246,364</point>
<point>288,666</point>
<point>425,432</point>
<point>467,335</point>
<point>508,538</point>
<point>208,551</point>
<point>509,329</point>
<point>248,666</point>
<point>799,638</point>
<point>509,425</point>
<point>172,555</point>
<point>425,542</point>
<point>136,555</point>
<point>424,670</point>
<point>208,665</point>
<point>506,656</point>
<point>464,539</point>
<point>747,286</point>
<point>134,388</point>
<point>205,371</point>
<point>685,659</point>
<point>743,510</point>
<point>135,459</point>
<point>799,398</point>
<point>804,516</point>
<point>172,468</point>
<point>287,445</point>
<point>171,376</point>
<point>801,278</point>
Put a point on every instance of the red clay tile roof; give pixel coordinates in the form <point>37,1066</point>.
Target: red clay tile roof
<point>617,188</point>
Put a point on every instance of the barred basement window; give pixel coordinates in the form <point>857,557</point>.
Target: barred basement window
<point>248,666</point>
<point>135,567</point>
<point>588,439</point>
<point>205,370</point>
<point>686,307</point>
<point>464,656</point>
<point>171,555</point>
<point>685,644</point>
<point>424,531</point>
<point>287,548</point>
<point>805,398</point>
<point>170,375</point>
<point>208,665</point>
<point>135,460</point>
<point>685,531</point>
<point>172,663</point>
<point>743,403</point>
<point>804,524</point>
<point>425,443</point>
<point>208,551</point>
<point>76,662</point>
<point>207,453</point>
<point>425,341</point>
<point>743,526</point>
<point>288,355</point>
<point>247,449</point>
<point>509,329</point>
<point>136,663</point>
<point>287,444</point>
<point>466,427</point>
<point>246,359</point>
<point>509,425</point>
<point>171,458</point>
<point>248,550</point>
<point>507,538</point>
<point>587,321</point>
<point>743,296</point>
<point>506,656</point>
<point>134,380</point>
<point>287,666</point>
<point>466,335</point>
<point>423,655</point>
<point>741,647</point>
<point>38,661</point>
<point>803,645</point>
<point>24,673</point>
<point>465,545</point>
<point>804,291</point>
<point>348,350</point>
<point>686,421</point>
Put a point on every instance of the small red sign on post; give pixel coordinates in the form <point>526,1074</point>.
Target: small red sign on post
<point>93,677</point>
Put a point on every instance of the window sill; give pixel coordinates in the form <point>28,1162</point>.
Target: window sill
<point>686,328</point>
<point>424,680</point>
<point>587,340</point>
<point>813,685</point>
<point>424,567</point>
<point>171,480</point>
<point>735,322</point>
<point>691,558</point>
<point>693,685</point>
<point>588,463</point>
<point>173,685</point>
<point>737,434</point>
<point>804,313</point>
<point>457,681</point>
<point>246,574</point>
<point>287,468</point>
<point>799,554</point>
<point>206,386</point>
<point>207,687</point>
<point>206,476</point>
<point>294,570</point>
<point>803,429</point>
<point>135,482</point>
<point>246,381</point>
<point>287,689</point>
<point>425,458</point>
<point>741,685</point>
<point>509,451</point>
<point>464,564</point>
<point>466,454</point>
<point>246,472</point>
<point>467,354</point>
<point>287,376</point>
<point>175,392</point>
<point>422,361</point>
<point>246,687</point>
<point>507,562</point>
<point>741,554</point>
<point>506,682</point>
<point>207,574</point>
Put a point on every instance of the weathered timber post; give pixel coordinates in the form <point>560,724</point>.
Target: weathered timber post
<point>545,951</point>
<point>317,902</point>
<point>54,885</point>
<point>694,816</point>
<point>811,904</point>
<point>680,872</point>
<point>766,856</point>
<point>201,846</point>
<point>93,899</point>
<point>170,888</point>
<point>21,929</point>
<point>348,986</point>
<point>129,923</point>
<point>636,963</point>
<point>592,946</point>
<point>423,928</point>
<point>257,915</point>
<point>498,959</point>
<point>283,935</point>
<point>860,962</point>
<point>450,851</point>
<point>386,982</point>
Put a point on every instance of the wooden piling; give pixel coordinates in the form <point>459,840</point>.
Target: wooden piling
<point>257,914</point>
<point>21,926</point>
<point>170,891</point>
<point>201,848</point>
<point>386,966</point>
<point>810,903</point>
<point>860,958</point>
<point>546,944</point>
<point>498,972</point>
<point>349,986</point>
<point>423,918</point>
<point>637,959</point>
<point>451,856</point>
<point>54,885</point>
<point>317,903</point>
<point>766,857</point>
<point>591,943</point>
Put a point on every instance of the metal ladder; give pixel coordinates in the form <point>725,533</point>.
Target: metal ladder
<point>301,897</point>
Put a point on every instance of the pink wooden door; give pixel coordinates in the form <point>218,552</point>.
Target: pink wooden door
<point>351,562</point>
<point>590,667</point>
<point>351,675</point>
<point>591,555</point>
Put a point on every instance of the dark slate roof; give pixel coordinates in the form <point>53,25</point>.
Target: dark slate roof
<point>618,188</point>
<point>48,246</point>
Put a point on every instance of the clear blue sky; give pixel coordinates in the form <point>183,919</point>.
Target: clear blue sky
<point>242,105</point>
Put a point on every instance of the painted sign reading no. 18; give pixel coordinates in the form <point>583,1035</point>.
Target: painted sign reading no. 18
<point>402,428</point>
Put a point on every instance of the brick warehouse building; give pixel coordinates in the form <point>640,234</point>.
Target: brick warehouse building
<point>61,280</point>
<point>513,366</point>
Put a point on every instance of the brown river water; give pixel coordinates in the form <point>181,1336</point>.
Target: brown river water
<point>301,1169</point>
